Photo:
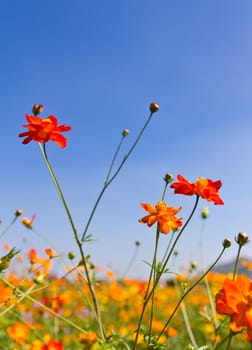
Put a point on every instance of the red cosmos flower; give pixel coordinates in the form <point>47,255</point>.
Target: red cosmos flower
<point>165,216</point>
<point>235,300</point>
<point>43,130</point>
<point>53,345</point>
<point>202,187</point>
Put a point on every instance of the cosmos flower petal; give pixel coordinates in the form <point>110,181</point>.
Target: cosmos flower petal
<point>43,130</point>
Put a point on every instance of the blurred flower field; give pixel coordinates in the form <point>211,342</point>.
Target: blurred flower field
<point>55,313</point>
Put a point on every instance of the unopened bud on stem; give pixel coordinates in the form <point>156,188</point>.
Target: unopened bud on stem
<point>18,212</point>
<point>125,132</point>
<point>37,109</point>
<point>168,178</point>
<point>242,238</point>
<point>204,213</point>
<point>154,107</point>
<point>226,243</point>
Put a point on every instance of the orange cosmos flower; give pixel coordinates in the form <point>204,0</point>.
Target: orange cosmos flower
<point>202,187</point>
<point>163,215</point>
<point>18,332</point>
<point>33,256</point>
<point>51,253</point>
<point>43,130</point>
<point>235,300</point>
<point>28,222</point>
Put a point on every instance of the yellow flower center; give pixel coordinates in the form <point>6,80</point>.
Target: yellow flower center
<point>201,182</point>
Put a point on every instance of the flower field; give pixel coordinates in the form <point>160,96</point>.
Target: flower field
<point>55,313</point>
<point>84,306</point>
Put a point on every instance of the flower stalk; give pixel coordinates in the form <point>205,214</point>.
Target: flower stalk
<point>76,237</point>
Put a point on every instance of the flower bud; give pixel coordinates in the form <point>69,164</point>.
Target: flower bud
<point>226,243</point>
<point>125,132</point>
<point>71,255</point>
<point>137,243</point>
<point>194,264</point>
<point>168,178</point>
<point>242,238</point>
<point>18,212</point>
<point>37,109</point>
<point>204,213</point>
<point>39,278</point>
<point>154,107</point>
<point>92,266</point>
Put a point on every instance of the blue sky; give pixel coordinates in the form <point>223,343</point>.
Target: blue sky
<point>96,65</point>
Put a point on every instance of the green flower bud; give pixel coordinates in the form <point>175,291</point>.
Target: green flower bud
<point>168,178</point>
<point>125,132</point>
<point>242,238</point>
<point>71,255</point>
<point>194,264</point>
<point>204,213</point>
<point>226,243</point>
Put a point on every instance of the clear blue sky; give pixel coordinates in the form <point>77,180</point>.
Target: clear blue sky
<point>96,65</point>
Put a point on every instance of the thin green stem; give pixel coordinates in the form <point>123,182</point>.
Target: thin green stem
<point>114,159</point>
<point>8,227</point>
<point>33,300</point>
<point>208,289</point>
<point>106,184</point>
<point>175,242</point>
<point>154,272</point>
<point>188,291</point>
<point>133,258</point>
<point>58,188</point>
<point>237,262</point>
<point>168,247</point>
<point>164,192</point>
<point>186,320</point>
<point>230,337</point>
<point>79,244</point>
<point>18,300</point>
<point>157,279</point>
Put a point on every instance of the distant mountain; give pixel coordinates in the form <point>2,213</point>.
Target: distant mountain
<point>229,266</point>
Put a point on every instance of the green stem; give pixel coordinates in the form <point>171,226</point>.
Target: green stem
<point>155,273</point>
<point>106,184</point>
<point>186,319</point>
<point>208,289</point>
<point>152,272</point>
<point>164,192</point>
<point>113,160</point>
<point>189,290</point>
<point>8,227</point>
<point>237,262</point>
<point>58,188</point>
<point>229,341</point>
<point>26,296</point>
<point>147,290</point>
<point>133,258</point>
<point>18,300</point>
<point>149,294</point>
<point>79,244</point>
